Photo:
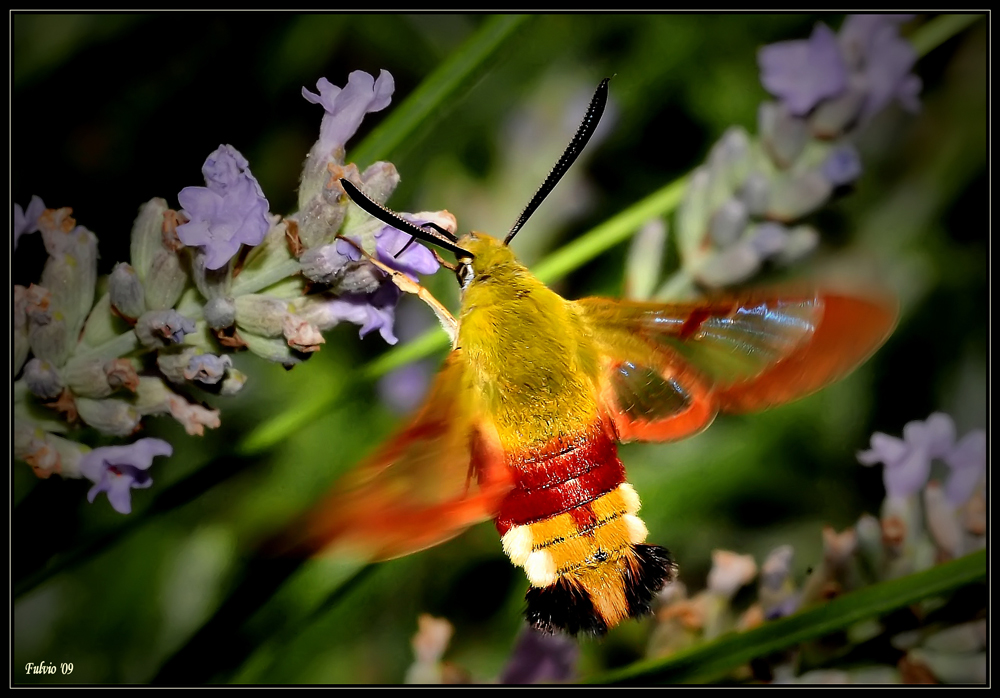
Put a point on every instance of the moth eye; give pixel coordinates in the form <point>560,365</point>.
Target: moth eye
<point>464,274</point>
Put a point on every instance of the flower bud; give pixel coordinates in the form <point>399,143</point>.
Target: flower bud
<point>166,280</point>
<point>692,216</point>
<point>160,328</point>
<point>323,264</point>
<point>103,325</point>
<point>126,291</point>
<point>261,315</point>
<point>301,335</point>
<point>87,378</point>
<point>842,166</point>
<point>207,368</point>
<point>212,283</point>
<point>728,222</point>
<point>379,180</point>
<point>276,350</point>
<point>21,345</point>
<point>754,193</point>
<point>173,362</point>
<point>795,195</point>
<point>147,236</point>
<point>70,273</point>
<point>49,340</point>
<point>783,135</point>
<point>109,415</point>
<point>154,397</point>
<point>233,382</point>
<point>43,379</point>
<point>220,313</point>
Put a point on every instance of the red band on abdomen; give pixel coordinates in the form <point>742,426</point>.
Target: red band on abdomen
<point>547,486</point>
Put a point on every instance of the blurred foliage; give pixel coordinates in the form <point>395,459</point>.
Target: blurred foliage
<point>108,111</point>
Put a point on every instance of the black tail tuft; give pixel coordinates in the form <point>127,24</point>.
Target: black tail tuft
<point>655,570</point>
<point>563,606</point>
<point>567,605</point>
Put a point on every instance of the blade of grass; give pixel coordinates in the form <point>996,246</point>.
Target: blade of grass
<point>714,659</point>
<point>452,78</point>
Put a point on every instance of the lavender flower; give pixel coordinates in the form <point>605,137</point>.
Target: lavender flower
<point>842,166</point>
<point>26,221</point>
<point>540,657</point>
<point>229,212</point>
<point>908,460</point>
<point>345,108</point>
<point>119,469</point>
<point>847,78</point>
<point>207,368</point>
<point>391,250</point>
<point>375,311</point>
<point>872,45</point>
<point>967,462</point>
<point>158,328</point>
<point>803,73</point>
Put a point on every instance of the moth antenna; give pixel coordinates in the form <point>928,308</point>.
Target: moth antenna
<point>444,231</point>
<point>392,218</point>
<point>594,112</point>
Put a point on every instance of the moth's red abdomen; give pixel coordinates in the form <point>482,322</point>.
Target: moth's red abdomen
<point>571,522</point>
<point>564,476</point>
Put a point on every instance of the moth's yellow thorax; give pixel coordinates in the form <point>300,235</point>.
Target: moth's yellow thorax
<point>530,357</point>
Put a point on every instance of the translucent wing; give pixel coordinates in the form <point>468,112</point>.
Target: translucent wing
<point>437,476</point>
<point>669,368</point>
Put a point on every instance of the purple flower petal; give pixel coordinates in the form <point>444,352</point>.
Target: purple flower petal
<point>118,469</point>
<point>375,311</point>
<point>404,389</point>
<point>346,108</point>
<point>908,460</point>
<point>207,368</point>
<point>803,73</point>
<point>416,259</point>
<point>842,166</point>
<point>26,221</point>
<point>857,33</point>
<point>967,461</point>
<point>936,434</point>
<point>887,69</point>
<point>229,212</point>
<point>541,657</point>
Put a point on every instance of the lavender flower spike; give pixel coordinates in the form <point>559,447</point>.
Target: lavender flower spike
<point>230,211</point>
<point>908,460</point>
<point>119,469</point>
<point>804,73</point>
<point>26,221</point>
<point>345,108</point>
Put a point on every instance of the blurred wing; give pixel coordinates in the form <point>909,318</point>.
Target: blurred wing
<point>428,483</point>
<point>668,368</point>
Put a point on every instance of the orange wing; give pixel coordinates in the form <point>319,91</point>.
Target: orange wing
<point>433,479</point>
<point>669,368</point>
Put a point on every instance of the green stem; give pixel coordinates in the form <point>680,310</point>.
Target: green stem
<point>124,343</point>
<point>714,659</point>
<point>440,88</point>
<point>245,284</point>
<point>940,29</point>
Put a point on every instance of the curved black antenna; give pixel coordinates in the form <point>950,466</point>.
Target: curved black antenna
<point>396,221</point>
<point>573,150</point>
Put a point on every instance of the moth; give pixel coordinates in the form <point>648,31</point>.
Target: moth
<point>523,422</point>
